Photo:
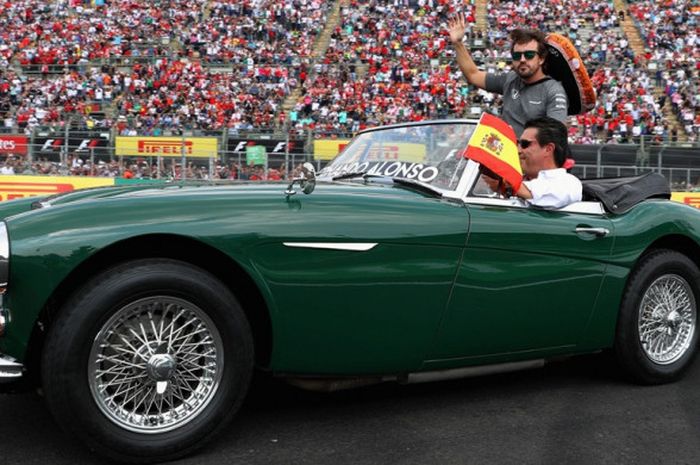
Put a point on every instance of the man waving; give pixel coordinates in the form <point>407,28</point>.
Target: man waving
<point>528,93</point>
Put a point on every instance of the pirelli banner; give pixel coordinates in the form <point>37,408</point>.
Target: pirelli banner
<point>196,147</point>
<point>17,187</point>
<point>688,198</point>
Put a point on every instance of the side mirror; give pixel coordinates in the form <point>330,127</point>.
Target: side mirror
<point>307,180</point>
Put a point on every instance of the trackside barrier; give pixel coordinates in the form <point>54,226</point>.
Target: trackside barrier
<point>17,187</point>
<point>688,198</point>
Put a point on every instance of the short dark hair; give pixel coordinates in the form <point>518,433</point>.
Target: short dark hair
<point>550,130</point>
<point>523,36</point>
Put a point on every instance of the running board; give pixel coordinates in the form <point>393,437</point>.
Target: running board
<point>467,372</point>
<point>332,384</point>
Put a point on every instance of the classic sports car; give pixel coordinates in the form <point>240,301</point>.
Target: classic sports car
<point>141,312</point>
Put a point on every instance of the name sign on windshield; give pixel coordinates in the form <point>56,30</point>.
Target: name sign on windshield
<point>398,169</point>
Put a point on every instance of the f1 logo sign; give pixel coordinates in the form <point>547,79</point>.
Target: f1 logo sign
<point>52,145</point>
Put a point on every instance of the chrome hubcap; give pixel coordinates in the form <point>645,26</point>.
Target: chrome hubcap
<point>161,367</point>
<point>155,365</point>
<point>667,319</point>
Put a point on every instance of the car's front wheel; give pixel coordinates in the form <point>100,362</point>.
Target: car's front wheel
<point>657,326</point>
<point>148,360</point>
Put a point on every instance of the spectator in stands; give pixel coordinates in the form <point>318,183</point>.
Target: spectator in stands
<point>527,91</point>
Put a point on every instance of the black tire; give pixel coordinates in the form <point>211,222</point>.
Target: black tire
<point>188,383</point>
<point>656,340</point>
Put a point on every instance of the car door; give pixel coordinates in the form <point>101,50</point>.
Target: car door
<point>358,278</point>
<point>528,280</point>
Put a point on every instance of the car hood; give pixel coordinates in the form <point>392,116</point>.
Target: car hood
<point>248,211</point>
<point>214,196</point>
<point>183,190</point>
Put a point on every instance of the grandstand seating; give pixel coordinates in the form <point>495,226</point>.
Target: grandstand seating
<point>671,30</point>
<point>162,67</point>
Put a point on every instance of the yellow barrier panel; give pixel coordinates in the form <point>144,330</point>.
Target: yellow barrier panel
<point>17,187</point>
<point>135,146</point>
<point>688,198</point>
<point>327,149</point>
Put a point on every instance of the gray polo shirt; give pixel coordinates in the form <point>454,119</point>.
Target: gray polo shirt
<point>523,102</point>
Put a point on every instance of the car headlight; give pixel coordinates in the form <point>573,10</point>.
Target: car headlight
<point>4,257</point>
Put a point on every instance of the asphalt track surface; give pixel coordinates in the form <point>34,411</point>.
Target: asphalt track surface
<point>578,411</point>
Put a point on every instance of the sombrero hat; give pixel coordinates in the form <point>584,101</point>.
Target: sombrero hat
<point>565,65</point>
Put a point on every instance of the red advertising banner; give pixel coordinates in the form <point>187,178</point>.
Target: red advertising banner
<point>13,145</point>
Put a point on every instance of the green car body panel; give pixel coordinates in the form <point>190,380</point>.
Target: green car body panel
<point>534,288</point>
<point>430,295</point>
<point>410,271</point>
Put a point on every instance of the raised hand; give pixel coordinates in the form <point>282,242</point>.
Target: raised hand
<point>457,25</point>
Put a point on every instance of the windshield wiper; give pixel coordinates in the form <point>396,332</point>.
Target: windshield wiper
<point>360,174</point>
<point>353,174</point>
<point>418,186</point>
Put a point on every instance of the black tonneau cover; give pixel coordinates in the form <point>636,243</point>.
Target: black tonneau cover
<point>618,195</point>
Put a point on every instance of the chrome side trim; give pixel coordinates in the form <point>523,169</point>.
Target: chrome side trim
<point>10,370</point>
<point>584,207</point>
<point>351,246</point>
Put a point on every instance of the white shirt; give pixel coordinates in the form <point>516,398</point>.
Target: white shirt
<point>554,188</point>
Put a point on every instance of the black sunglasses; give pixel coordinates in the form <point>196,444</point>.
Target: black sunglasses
<point>529,55</point>
<point>524,143</point>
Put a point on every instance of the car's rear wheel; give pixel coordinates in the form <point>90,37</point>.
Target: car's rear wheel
<point>657,326</point>
<point>148,360</point>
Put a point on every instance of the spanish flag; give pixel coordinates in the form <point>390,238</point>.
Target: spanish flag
<point>493,144</point>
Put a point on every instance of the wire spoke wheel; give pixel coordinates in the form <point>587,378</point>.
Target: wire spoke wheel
<point>667,319</point>
<point>156,364</point>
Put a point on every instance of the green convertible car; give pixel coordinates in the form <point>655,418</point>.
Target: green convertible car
<point>141,312</point>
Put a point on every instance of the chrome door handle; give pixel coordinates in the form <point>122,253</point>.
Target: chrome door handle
<point>600,232</point>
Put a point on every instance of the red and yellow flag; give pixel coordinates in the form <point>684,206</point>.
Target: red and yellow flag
<point>493,144</point>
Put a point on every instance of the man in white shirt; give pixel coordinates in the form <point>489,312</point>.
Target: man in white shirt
<point>543,148</point>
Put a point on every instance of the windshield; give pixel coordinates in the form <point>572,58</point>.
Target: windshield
<point>431,153</point>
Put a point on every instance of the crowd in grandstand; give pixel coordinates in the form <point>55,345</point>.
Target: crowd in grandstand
<point>153,68</point>
<point>151,62</point>
<point>671,30</point>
